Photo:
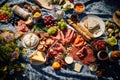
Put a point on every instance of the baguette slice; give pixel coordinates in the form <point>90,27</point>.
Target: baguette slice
<point>85,30</point>
<point>76,27</point>
<point>38,56</point>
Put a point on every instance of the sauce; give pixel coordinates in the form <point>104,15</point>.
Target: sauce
<point>102,55</point>
<point>79,7</point>
<point>37,14</point>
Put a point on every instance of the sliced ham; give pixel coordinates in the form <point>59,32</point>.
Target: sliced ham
<point>58,36</point>
<point>21,26</point>
<point>66,36</point>
<point>69,35</point>
<point>84,54</point>
<point>56,50</point>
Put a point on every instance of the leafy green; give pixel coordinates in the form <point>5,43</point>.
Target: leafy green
<point>37,28</point>
<point>64,55</point>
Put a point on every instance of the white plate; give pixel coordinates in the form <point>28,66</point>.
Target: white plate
<point>99,20</point>
<point>25,37</point>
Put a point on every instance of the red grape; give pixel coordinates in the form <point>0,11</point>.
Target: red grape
<point>49,21</point>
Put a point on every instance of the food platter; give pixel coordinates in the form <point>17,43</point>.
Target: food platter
<point>100,22</point>
<point>58,41</point>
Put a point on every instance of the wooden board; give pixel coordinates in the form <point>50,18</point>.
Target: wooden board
<point>116,19</point>
<point>44,4</point>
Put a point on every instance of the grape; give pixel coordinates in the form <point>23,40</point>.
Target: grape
<point>62,20</point>
<point>5,9</point>
<point>6,5</point>
<point>49,21</point>
<point>52,30</point>
<point>62,24</point>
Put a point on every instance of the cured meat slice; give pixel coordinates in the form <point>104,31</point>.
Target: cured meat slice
<point>56,50</point>
<point>21,26</point>
<point>84,54</point>
<point>65,37</point>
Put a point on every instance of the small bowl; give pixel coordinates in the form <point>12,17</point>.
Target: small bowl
<point>102,55</point>
<point>79,8</point>
<point>38,13</point>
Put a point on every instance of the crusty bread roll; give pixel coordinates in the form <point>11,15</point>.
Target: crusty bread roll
<point>21,12</point>
<point>85,30</point>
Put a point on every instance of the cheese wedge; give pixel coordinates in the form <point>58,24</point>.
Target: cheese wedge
<point>38,56</point>
<point>92,24</point>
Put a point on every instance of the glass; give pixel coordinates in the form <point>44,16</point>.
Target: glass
<point>93,66</point>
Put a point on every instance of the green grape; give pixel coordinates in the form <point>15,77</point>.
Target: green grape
<point>7,12</point>
<point>3,12</point>
<point>63,26</point>
<point>62,20</point>
<point>59,23</point>
<point>52,30</point>
<point>9,9</point>
<point>6,5</point>
<point>0,10</point>
<point>5,8</point>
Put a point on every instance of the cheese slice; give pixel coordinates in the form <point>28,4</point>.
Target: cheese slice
<point>77,67</point>
<point>92,24</point>
<point>38,56</point>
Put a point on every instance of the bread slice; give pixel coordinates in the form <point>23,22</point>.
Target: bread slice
<point>38,56</point>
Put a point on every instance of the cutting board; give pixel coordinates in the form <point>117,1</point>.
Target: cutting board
<point>116,19</point>
<point>44,4</point>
